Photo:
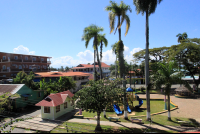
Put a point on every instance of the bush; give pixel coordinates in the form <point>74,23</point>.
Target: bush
<point>142,89</point>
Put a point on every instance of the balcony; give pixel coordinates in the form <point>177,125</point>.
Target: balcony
<point>22,60</point>
<point>25,70</point>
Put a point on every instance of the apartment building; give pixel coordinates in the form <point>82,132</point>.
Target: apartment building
<point>12,63</point>
<point>87,68</point>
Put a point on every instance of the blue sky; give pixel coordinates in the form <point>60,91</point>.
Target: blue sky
<point>54,28</point>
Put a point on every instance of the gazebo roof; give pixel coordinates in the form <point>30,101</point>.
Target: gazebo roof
<point>182,89</point>
<point>129,89</point>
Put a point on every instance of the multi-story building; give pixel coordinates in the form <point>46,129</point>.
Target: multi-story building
<point>89,68</point>
<point>11,64</point>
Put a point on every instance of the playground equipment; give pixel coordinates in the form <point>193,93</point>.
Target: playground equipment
<point>117,109</point>
<point>140,102</point>
<point>129,110</point>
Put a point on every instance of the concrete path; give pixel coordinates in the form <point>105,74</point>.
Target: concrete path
<point>134,125</point>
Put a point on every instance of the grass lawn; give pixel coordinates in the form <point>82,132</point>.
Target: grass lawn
<point>89,128</point>
<point>156,106</point>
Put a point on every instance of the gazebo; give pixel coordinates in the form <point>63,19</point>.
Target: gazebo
<point>182,91</point>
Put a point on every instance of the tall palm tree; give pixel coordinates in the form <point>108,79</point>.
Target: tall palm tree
<point>148,7</point>
<point>114,49</point>
<point>90,32</point>
<point>166,76</point>
<point>120,11</point>
<point>102,41</point>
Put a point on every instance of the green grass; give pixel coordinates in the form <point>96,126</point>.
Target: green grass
<point>156,106</point>
<point>89,128</point>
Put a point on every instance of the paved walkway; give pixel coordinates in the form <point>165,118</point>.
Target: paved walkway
<point>134,125</point>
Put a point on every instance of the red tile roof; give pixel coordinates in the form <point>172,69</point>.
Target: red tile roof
<point>91,77</point>
<point>83,66</point>
<point>58,74</point>
<point>54,100</point>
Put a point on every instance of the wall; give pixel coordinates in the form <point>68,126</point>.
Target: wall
<point>53,115</point>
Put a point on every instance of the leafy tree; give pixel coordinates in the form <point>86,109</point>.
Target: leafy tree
<point>67,68</point>
<point>90,32</point>
<point>148,7</point>
<point>53,69</point>
<point>96,96</point>
<point>5,101</point>
<point>166,75</point>
<point>23,78</point>
<point>187,53</point>
<point>66,83</point>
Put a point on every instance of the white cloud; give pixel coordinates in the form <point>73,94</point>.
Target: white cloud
<point>88,57</point>
<point>23,50</point>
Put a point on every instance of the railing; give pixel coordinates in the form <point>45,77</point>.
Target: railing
<point>25,70</point>
<point>22,60</point>
<point>5,70</point>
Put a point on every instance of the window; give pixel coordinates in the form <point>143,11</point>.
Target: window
<point>44,67</point>
<point>46,109</point>
<point>20,67</point>
<point>4,75</point>
<point>26,66</point>
<point>30,66</point>
<point>42,59</point>
<point>39,94</point>
<point>11,74</point>
<point>65,105</point>
<point>16,57</point>
<point>4,57</point>
<point>26,58</point>
<point>57,108</point>
<point>38,67</point>
<point>4,67</point>
<point>16,66</point>
<point>34,58</point>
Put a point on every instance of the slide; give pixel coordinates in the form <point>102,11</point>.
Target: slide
<point>140,102</point>
<point>129,110</point>
<point>117,109</point>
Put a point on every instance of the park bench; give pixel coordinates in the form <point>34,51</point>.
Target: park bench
<point>115,118</point>
<point>136,120</point>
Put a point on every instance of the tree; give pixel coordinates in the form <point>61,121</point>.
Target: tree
<point>102,41</point>
<point>181,37</point>
<point>90,32</point>
<point>187,53</point>
<point>166,75</point>
<point>120,11</point>
<point>5,101</point>
<point>96,96</point>
<point>147,7</point>
<point>67,68</point>
<point>23,78</point>
<point>66,83</point>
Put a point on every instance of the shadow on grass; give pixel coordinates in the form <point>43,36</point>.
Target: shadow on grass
<point>132,130</point>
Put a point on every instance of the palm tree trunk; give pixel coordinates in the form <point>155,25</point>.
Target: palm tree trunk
<point>98,127</point>
<point>147,67</point>
<point>94,67</point>
<point>116,66</point>
<point>101,76</point>
<point>169,116</point>
<point>119,30</point>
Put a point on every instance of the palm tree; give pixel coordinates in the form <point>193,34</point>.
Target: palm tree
<point>102,41</point>
<point>93,32</point>
<point>120,11</point>
<point>114,49</point>
<point>181,37</point>
<point>166,75</point>
<point>148,7</point>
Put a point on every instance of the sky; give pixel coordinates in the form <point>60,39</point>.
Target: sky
<point>54,28</point>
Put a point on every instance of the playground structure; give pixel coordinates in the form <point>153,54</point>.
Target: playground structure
<point>117,109</point>
<point>140,101</point>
